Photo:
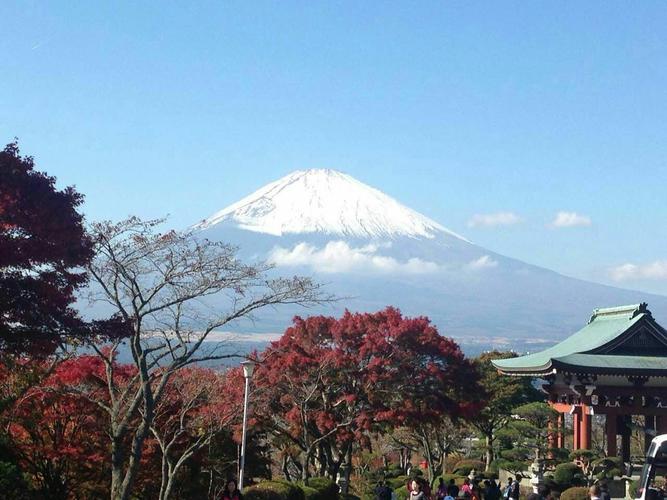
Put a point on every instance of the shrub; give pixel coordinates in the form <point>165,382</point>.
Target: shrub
<point>12,483</point>
<point>609,467</point>
<point>393,471</point>
<point>634,485</point>
<point>326,487</point>
<point>398,482</point>
<point>568,474</point>
<point>274,490</point>
<point>311,493</point>
<point>575,493</point>
<point>464,467</point>
<point>458,479</point>
<point>401,493</point>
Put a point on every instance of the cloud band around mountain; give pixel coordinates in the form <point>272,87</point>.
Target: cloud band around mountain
<point>339,257</point>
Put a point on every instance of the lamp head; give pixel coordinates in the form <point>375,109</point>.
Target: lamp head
<point>248,367</point>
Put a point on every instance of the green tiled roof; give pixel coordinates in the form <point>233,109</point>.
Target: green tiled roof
<point>615,363</point>
<point>604,326</point>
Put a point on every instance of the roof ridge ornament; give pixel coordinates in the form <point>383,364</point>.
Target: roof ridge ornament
<point>633,310</point>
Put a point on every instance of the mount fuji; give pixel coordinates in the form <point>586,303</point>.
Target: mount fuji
<point>373,251</point>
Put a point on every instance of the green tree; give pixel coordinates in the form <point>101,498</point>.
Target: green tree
<point>504,394</point>
<point>529,431</point>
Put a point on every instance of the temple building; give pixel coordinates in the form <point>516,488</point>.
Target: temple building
<point>615,366</point>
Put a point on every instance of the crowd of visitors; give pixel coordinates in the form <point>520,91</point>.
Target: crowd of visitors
<point>419,489</point>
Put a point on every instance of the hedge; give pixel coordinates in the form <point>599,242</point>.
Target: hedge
<point>398,482</point>
<point>568,474</point>
<point>464,467</point>
<point>634,486</point>
<point>311,493</point>
<point>327,489</point>
<point>575,493</point>
<point>458,479</point>
<point>274,490</point>
<point>393,471</point>
<point>401,493</point>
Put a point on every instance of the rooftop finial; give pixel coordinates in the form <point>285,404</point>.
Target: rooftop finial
<point>630,310</point>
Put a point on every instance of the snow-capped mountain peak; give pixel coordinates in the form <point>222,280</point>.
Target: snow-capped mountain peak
<point>325,201</point>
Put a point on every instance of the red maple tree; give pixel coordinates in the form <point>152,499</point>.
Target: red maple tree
<point>43,249</point>
<point>329,383</point>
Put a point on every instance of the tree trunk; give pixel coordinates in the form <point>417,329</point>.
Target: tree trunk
<point>286,468</point>
<point>117,459</point>
<point>305,471</point>
<point>348,469</point>
<point>429,457</point>
<point>489,451</point>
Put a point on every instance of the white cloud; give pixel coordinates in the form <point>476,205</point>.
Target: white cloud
<point>338,257</point>
<point>484,262</point>
<point>656,270</point>
<point>570,219</point>
<point>495,219</point>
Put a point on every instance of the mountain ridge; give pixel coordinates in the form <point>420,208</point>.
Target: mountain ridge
<point>325,201</point>
<point>467,290</point>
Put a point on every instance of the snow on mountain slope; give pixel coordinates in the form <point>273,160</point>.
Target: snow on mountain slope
<point>328,202</point>
<point>373,252</point>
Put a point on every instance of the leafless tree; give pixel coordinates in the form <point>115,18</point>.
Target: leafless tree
<point>157,284</point>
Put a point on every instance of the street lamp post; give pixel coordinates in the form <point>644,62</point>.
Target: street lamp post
<point>248,368</point>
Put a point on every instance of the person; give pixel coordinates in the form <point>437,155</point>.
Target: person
<point>416,492</point>
<point>594,492</point>
<point>475,491</point>
<point>466,488</point>
<point>383,491</point>
<point>231,492</point>
<point>515,492</point>
<point>604,491</point>
<point>441,492</point>
<point>452,489</point>
<point>509,490</point>
<point>491,490</point>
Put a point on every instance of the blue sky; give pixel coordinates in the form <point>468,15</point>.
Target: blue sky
<point>457,109</point>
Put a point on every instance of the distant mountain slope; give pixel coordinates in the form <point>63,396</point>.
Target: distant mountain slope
<point>374,251</point>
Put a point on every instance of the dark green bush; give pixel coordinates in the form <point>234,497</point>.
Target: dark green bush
<point>12,483</point>
<point>609,467</point>
<point>311,493</point>
<point>326,487</point>
<point>575,493</point>
<point>393,471</point>
<point>274,490</point>
<point>464,467</point>
<point>398,482</point>
<point>632,489</point>
<point>458,479</point>
<point>568,474</point>
<point>401,493</point>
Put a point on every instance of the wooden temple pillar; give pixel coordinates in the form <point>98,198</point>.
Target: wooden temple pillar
<point>649,431</point>
<point>625,431</point>
<point>585,429</point>
<point>552,430</point>
<point>612,432</point>
<point>661,424</point>
<point>560,435</point>
<point>576,428</point>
